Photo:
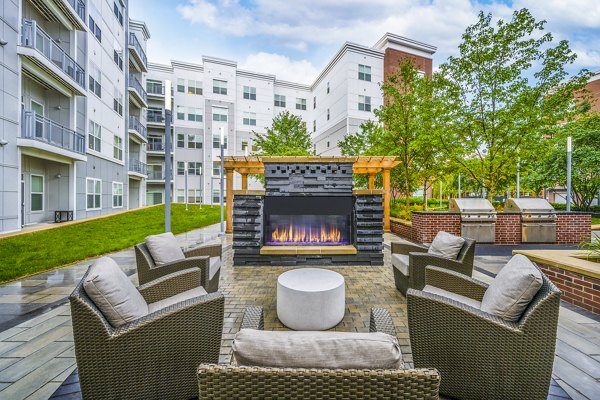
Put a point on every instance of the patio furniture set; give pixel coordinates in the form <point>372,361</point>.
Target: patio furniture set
<point>162,340</point>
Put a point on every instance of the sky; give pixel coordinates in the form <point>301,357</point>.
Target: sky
<point>295,40</point>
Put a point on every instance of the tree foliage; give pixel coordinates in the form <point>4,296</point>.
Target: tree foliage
<point>287,136</point>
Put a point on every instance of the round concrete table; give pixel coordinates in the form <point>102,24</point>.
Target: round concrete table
<point>310,299</point>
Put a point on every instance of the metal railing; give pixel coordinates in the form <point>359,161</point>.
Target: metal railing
<point>34,37</point>
<point>136,125</point>
<point>154,116</point>
<point>79,7</point>
<point>155,88</point>
<point>37,127</point>
<point>137,86</point>
<point>156,176</point>
<point>133,41</point>
<point>137,166</point>
<point>156,146</point>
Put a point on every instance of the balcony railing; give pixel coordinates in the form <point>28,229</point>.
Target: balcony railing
<point>155,88</point>
<point>156,175</point>
<point>37,127</point>
<point>137,166</point>
<point>156,146</point>
<point>79,7</point>
<point>137,126</point>
<point>155,116</point>
<point>137,86</point>
<point>34,37</point>
<point>133,41</point>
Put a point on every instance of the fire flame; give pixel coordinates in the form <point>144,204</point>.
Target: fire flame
<point>306,234</point>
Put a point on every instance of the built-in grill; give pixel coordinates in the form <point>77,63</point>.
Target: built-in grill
<point>478,218</point>
<point>538,219</point>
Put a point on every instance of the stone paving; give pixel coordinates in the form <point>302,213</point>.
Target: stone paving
<point>36,351</point>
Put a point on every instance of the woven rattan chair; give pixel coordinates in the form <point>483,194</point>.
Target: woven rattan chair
<point>200,257</point>
<point>481,356</point>
<point>419,259</point>
<point>154,357</point>
<point>221,382</point>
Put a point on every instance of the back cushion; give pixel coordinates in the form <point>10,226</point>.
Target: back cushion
<point>164,248</point>
<point>113,293</point>
<point>512,290</point>
<point>299,349</point>
<point>446,245</point>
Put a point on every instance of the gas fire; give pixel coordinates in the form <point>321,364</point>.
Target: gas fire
<point>306,234</point>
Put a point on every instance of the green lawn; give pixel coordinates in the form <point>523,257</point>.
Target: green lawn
<point>595,221</point>
<point>38,251</point>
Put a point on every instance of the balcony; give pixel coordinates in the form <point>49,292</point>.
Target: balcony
<point>155,117</point>
<point>137,94</point>
<point>137,59</point>
<point>156,176</point>
<point>157,147</point>
<point>70,13</point>
<point>136,128</point>
<point>155,89</point>
<point>44,61</point>
<point>48,136</point>
<point>137,168</point>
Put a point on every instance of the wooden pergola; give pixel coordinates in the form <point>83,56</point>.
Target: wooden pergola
<point>367,165</point>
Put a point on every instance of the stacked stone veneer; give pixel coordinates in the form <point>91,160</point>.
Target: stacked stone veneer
<point>308,179</point>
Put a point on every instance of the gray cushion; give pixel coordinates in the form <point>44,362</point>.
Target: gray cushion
<point>400,262</point>
<point>188,294</point>
<point>312,349</point>
<point>214,264</point>
<point>462,299</point>
<point>513,288</point>
<point>164,248</point>
<point>113,293</point>
<point>446,245</point>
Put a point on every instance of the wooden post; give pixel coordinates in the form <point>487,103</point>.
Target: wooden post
<point>386,200</point>
<point>371,181</point>
<point>229,202</point>
<point>244,181</point>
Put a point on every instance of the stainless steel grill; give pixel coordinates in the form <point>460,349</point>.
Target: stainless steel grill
<point>538,219</point>
<point>478,218</point>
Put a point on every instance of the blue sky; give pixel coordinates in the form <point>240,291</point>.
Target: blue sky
<point>295,39</point>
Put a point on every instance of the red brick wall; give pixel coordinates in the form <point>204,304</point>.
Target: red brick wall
<point>428,224</point>
<point>402,229</point>
<point>392,57</point>
<point>582,291</point>
<point>594,88</point>
<point>508,228</point>
<point>573,228</point>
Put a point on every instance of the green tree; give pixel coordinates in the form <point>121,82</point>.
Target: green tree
<point>287,136</point>
<point>503,92</point>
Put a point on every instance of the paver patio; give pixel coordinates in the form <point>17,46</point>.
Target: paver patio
<point>36,354</point>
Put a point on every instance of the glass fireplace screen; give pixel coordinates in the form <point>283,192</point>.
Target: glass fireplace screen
<point>306,230</point>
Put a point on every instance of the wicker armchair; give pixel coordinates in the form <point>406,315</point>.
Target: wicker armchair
<point>418,259</point>
<point>154,357</point>
<point>221,382</point>
<point>481,356</point>
<point>200,257</point>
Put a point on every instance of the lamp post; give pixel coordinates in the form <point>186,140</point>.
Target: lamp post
<point>458,185</point>
<point>168,155</point>
<point>440,193</point>
<point>222,131</point>
<point>518,177</point>
<point>569,151</point>
<point>185,174</point>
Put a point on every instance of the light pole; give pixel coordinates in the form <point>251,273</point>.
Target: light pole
<point>185,174</point>
<point>458,185</point>
<point>518,177</point>
<point>569,151</point>
<point>440,193</point>
<point>222,131</point>
<point>168,155</point>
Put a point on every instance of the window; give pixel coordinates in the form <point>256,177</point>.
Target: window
<point>117,10</point>
<point>93,193</point>
<point>95,136</point>
<point>118,102</point>
<point>219,86</point>
<point>194,141</point>
<point>219,114</point>
<point>249,93</point>
<point>180,140</point>
<point>279,100</point>
<point>328,114</point>
<point>95,78</point>
<point>193,195</point>
<point>315,102</point>
<point>216,198</point>
<point>300,104</point>
<point>154,87</point>
<point>154,114</point>
<point>216,168</point>
<point>180,85</point>
<point>37,193</point>
<point>217,141</point>
<point>244,144</point>
<point>194,114</point>
<point>364,72</point>
<point>180,167</point>
<point>194,87</point>
<point>118,148</point>
<point>327,87</point>
<point>327,144</point>
<point>181,112</point>
<point>194,168</point>
<point>95,29</point>
<point>38,109</point>
<point>364,103</point>
<point>181,195</point>
<point>117,194</point>
<point>118,58</point>
<point>249,119</point>
<point>314,125</point>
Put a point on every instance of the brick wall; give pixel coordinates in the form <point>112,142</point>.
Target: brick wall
<point>428,224</point>
<point>393,56</point>
<point>582,291</point>
<point>573,228</point>
<point>402,228</point>
<point>508,228</point>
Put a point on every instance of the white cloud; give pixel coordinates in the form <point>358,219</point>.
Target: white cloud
<point>282,67</point>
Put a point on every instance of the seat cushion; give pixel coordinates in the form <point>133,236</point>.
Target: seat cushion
<point>303,349</point>
<point>113,293</point>
<point>512,290</point>
<point>214,264</point>
<point>444,293</point>
<point>188,294</point>
<point>446,245</point>
<point>164,248</point>
<point>400,262</point>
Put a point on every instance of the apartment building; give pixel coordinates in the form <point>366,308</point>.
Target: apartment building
<point>216,94</point>
<point>73,110</point>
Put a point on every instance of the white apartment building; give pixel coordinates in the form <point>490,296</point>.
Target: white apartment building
<point>216,94</point>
